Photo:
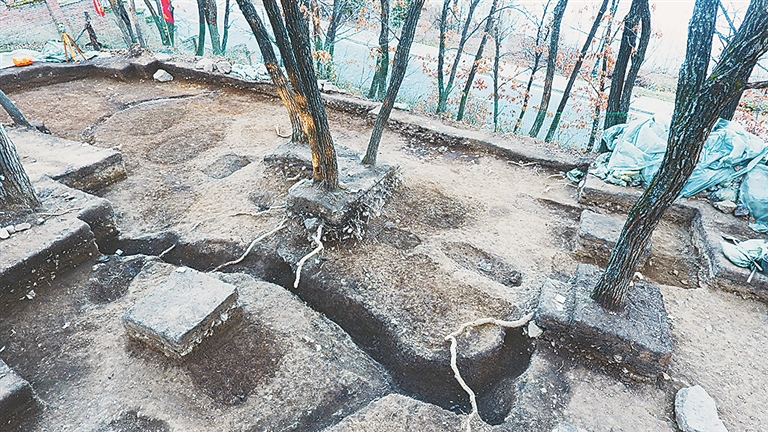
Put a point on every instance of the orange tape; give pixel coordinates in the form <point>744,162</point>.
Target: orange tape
<point>23,61</point>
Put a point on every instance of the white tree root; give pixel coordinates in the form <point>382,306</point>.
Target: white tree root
<point>317,250</point>
<point>452,339</point>
<point>279,226</point>
<point>277,131</point>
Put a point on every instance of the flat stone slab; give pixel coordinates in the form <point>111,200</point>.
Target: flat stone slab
<point>75,164</point>
<point>15,392</point>
<point>181,312</point>
<point>638,338</point>
<point>31,256</point>
<point>598,235</point>
<point>364,189</point>
<point>396,412</point>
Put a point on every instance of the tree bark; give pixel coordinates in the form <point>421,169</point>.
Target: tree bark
<point>225,34</point>
<point>16,115</point>
<point>496,58</point>
<point>638,56</point>
<point>698,104</point>
<point>443,91</point>
<point>554,39</point>
<point>139,35</point>
<point>619,80</point>
<point>402,55</point>
<point>379,82</point>
<point>212,18</point>
<point>324,164</point>
<point>605,43</point>
<point>575,72</point>
<point>201,29</point>
<point>282,40</point>
<point>159,23</point>
<point>476,63</point>
<point>123,21</point>
<point>15,188</point>
<point>299,132</point>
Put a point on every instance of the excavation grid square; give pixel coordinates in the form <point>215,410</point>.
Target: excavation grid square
<point>181,312</point>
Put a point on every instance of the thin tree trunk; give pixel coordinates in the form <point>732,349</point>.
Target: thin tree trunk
<point>575,72</point>
<point>445,91</point>
<point>15,188</point>
<point>159,23</point>
<point>273,67</point>
<point>605,44</point>
<point>496,57</point>
<point>402,55</point>
<point>554,39</point>
<point>212,18</point>
<point>201,28</point>
<point>91,33</point>
<point>379,82</point>
<point>541,35</point>
<point>16,115</point>
<point>123,21</point>
<point>282,40</point>
<point>324,162</point>
<point>638,56</point>
<point>139,35</point>
<point>225,35</point>
<point>613,112</point>
<point>698,104</point>
<point>476,63</point>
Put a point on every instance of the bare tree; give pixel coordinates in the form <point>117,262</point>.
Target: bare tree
<point>623,80</point>
<point>489,21</point>
<point>698,103</point>
<point>605,50</point>
<point>444,89</point>
<point>554,39</point>
<point>379,82</point>
<point>575,72</point>
<point>536,52</point>
<point>402,55</point>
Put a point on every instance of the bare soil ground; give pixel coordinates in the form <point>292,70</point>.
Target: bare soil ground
<point>194,155</point>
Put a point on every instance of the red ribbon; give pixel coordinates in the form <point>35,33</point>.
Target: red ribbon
<point>97,6</point>
<point>167,14</point>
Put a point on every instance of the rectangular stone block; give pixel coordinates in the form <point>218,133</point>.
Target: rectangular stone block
<point>638,338</point>
<point>598,235</point>
<point>181,312</point>
<point>15,392</point>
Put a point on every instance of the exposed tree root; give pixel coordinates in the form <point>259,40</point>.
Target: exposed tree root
<point>317,250</point>
<point>277,131</point>
<point>259,213</point>
<point>279,226</point>
<point>452,339</point>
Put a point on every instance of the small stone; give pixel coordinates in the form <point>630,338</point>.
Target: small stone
<point>119,252</point>
<point>741,210</point>
<point>4,234</point>
<point>534,331</point>
<point>684,282</point>
<point>10,229</point>
<point>22,227</point>
<point>224,67</point>
<point>162,76</point>
<point>40,221</point>
<point>695,411</point>
<point>205,64</point>
<point>102,259</point>
<point>31,294</point>
<point>725,206</point>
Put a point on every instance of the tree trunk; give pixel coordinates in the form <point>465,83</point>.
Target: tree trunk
<point>225,35</point>
<point>444,91</point>
<point>299,133</point>
<point>613,112</point>
<point>123,21</point>
<point>402,55</point>
<point>476,63</point>
<point>159,23</point>
<point>541,35</point>
<point>554,39</point>
<point>324,162</point>
<point>91,33</point>
<point>15,188</point>
<point>282,40</point>
<point>16,115</point>
<point>496,57</point>
<point>201,28</point>
<point>638,56</point>
<point>212,18</point>
<point>575,72</point>
<point>730,110</point>
<point>379,82</point>
<point>605,43</point>
<point>697,107</point>
<point>139,35</point>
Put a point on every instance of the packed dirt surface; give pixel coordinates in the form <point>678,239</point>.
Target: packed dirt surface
<point>460,222</point>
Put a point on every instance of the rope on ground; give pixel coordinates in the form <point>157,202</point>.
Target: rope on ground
<point>279,226</point>
<point>317,250</point>
<point>452,339</point>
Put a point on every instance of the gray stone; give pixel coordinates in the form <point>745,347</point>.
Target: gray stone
<point>15,392</point>
<point>11,229</point>
<point>695,411</point>
<point>725,206</point>
<point>181,312</point>
<point>162,76</point>
<point>638,338</point>
<point>224,67</point>
<point>4,234</point>
<point>205,64</point>
<point>598,235</point>
<point>396,412</point>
